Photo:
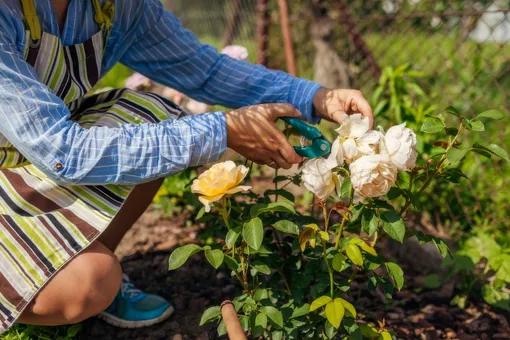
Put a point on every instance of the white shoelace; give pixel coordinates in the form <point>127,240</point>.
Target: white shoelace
<point>128,288</point>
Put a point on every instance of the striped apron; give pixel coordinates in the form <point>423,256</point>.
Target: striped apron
<point>43,225</point>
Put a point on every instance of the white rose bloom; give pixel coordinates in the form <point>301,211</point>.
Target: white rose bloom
<point>399,144</point>
<point>373,175</point>
<point>319,179</point>
<point>356,139</point>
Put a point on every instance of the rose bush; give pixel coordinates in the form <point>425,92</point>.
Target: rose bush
<point>297,270</point>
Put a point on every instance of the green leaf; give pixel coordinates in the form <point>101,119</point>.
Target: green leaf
<point>72,331</point>
<point>261,320</point>
<point>278,179</point>
<point>396,274</point>
<point>356,212</point>
<point>231,238</point>
<point>368,331</point>
<point>346,189</point>
<point>393,225</point>
<point>494,149</point>
<point>275,207</point>
<point>385,336</point>
<point>394,193</point>
<point>215,257</point>
<point>253,231</point>
<point>503,272</point>
<point>231,263</point>
<point>210,314</point>
<point>354,254</point>
<point>200,213</point>
<point>492,114</point>
<point>452,131</point>
<point>455,155</point>
<point>495,298</point>
<point>260,294</point>
<point>222,329</point>
<point>319,302</point>
<point>452,110</point>
<point>287,227</point>
<point>261,267</point>
<point>338,262</point>
<point>180,255</point>
<point>300,311</point>
<point>348,307</point>
<point>475,125</point>
<point>369,222</point>
<point>335,312</point>
<point>432,281</point>
<point>432,125</point>
<point>273,314</point>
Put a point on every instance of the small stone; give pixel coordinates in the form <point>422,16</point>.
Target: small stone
<point>177,337</point>
<point>221,276</point>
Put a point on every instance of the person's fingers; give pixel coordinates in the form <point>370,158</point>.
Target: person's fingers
<point>280,161</point>
<point>288,153</point>
<point>283,110</point>
<point>339,116</point>
<point>361,105</point>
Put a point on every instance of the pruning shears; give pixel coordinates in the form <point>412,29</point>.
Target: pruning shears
<point>319,145</point>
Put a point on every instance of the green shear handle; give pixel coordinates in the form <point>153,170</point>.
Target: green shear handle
<point>319,146</point>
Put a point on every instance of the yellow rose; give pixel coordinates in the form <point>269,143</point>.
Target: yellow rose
<point>220,180</point>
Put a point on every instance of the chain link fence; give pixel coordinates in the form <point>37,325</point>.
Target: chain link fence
<point>461,47</point>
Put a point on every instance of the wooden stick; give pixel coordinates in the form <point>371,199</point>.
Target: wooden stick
<point>263,29</point>
<point>233,23</point>
<point>234,329</point>
<point>287,38</point>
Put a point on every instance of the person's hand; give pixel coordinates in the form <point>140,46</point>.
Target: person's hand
<point>251,131</point>
<point>335,105</point>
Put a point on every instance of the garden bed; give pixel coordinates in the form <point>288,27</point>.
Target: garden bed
<point>413,314</point>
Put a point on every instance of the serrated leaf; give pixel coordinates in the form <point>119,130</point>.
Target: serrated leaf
<point>180,255</point>
<point>319,302</point>
<point>210,314</point>
<point>253,232</point>
<point>354,254</point>
<point>287,227</point>
<point>455,155</point>
<point>393,225</point>
<point>348,307</point>
<point>492,114</point>
<point>369,222</point>
<point>273,314</point>
<point>396,274</point>
<point>338,262</point>
<point>494,149</point>
<point>335,312</point>
<point>432,125</point>
<point>215,257</point>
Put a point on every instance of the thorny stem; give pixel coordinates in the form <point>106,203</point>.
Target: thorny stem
<point>326,217</point>
<point>340,231</point>
<point>436,171</point>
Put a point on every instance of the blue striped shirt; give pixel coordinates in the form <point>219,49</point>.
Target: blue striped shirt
<point>152,41</point>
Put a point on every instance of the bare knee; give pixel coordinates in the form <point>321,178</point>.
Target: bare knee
<point>84,288</point>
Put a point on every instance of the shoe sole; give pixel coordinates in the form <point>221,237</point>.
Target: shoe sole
<point>117,322</point>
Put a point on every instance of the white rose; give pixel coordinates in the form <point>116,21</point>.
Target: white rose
<point>399,144</point>
<point>373,175</point>
<point>356,139</point>
<point>319,179</point>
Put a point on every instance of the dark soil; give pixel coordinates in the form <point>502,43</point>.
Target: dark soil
<point>194,287</point>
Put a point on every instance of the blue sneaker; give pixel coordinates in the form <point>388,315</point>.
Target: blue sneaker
<point>133,309</point>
